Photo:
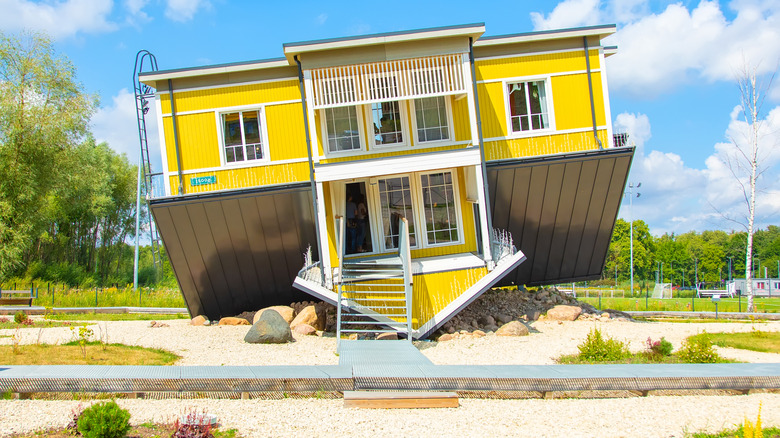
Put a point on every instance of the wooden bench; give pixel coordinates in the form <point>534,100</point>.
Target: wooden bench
<point>16,298</point>
<point>704,293</point>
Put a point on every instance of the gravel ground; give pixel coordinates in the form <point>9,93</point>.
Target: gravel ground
<point>654,416</point>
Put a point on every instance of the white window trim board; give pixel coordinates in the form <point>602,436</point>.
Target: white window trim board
<point>450,127</point>
<point>548,97</point>
<point>361,135</point>
<point>369,117</point>
<point>263,132</point>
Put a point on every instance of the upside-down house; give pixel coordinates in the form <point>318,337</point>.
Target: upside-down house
<point>399,174</point>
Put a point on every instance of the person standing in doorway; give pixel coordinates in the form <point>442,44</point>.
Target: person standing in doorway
<point>351,224</point>
<point>361,216</point>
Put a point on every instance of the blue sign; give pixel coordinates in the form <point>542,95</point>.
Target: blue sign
<point>203,180</point>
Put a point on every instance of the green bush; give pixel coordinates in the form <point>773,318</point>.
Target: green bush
<point>20,317</point>
<point>104,420</point>
<point>659,348</point>
<point>597,348</point>
<point>698,349</point>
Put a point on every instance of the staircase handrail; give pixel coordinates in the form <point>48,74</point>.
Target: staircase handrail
<point>340,233</point>
<point>405,254</point>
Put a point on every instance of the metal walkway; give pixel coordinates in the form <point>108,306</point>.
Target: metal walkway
<point>371,374</point>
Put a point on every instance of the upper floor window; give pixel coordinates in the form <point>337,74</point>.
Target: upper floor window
<point>387,120</point>
<point>242,136</point>
<point>342,129</point>
<point>528,109</point>
<point>431,118</point>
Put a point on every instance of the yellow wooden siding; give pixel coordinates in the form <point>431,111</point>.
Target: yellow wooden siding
<point>433,292</point>
<point>286,132</point>
<point>544,64</point>
<point>571,101</point>
<point>461,119</point>
<point>230,96</point>
<point>544,145</point>
<point>244,177</point>
<point>198,142</point>
<point>492,109</point>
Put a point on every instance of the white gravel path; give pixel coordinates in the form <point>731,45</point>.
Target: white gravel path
<point>654,416</point>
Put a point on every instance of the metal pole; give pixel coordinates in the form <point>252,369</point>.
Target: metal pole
<point>631,233</point>
<point>137,224</point>
<point>729,268</point>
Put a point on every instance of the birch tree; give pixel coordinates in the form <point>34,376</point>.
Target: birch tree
<point>747,158</point>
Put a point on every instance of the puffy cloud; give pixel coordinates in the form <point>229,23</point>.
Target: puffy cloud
<point>117,125</point>
<point>322,18</point>
<point>569,13</point>
<point>58,19</point>
<point>184,10</point>
<point>135,9</point>
<point>660,51</point>
<point>637,126</point>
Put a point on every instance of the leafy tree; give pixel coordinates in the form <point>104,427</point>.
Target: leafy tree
<point>44,114</point>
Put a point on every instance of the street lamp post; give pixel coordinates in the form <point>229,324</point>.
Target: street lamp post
<point>729,268</point>
<point>631,227</point>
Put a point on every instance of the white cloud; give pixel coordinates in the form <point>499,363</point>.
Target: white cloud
<point>184,10</point>
<point>117,125</point>
<point>137,15</point>
<point>569,13</point>
<point>322,18</point>
<point>658,52</point>
<point>59,19</point>
<point>637,126</point>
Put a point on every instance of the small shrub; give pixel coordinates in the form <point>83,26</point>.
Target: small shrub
<point>104,420</point>
<point>750,430</point>
<point>20,317</point>
<point>196,425</point>
<point>660,348</point>
<point>698,349</point>
<point>596,348</point>
<point>4,320</point>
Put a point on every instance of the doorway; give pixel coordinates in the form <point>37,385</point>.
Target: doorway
<point>359,239</point>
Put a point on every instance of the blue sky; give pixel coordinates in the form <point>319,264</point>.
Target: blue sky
<point>671,84</point>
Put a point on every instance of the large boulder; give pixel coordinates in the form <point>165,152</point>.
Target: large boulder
<point>232,320</point>
<point>305,329</point>
<point>287,312</point>
<point>310,315</point>
<point>564,313</point>
<point>199,320</point>
<point>514,328</point>
<point>271,328</point>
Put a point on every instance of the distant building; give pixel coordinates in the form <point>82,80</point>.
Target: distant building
<point>762,287</point>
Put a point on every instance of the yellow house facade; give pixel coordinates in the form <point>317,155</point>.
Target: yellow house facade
<point>415,169</point>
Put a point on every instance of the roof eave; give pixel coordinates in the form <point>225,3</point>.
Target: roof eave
<point>150,78</point>
<point>600,31</point>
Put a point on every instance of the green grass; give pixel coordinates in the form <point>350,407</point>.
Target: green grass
<point>61,296</point>
<point>115,316</point>
<point>698,320</point>
<point>756,340</point>
<point>93,353</point>
<point>38,323</point>
<point>768,432</point>
<point>768,305</point>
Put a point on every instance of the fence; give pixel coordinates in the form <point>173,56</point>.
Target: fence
<point>59,295</point>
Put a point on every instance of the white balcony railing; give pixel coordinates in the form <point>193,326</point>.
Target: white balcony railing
<point>389,80</point>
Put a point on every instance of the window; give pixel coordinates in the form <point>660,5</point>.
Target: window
<point>527,106</point>
<point>431,119</point>
<point>342,129</point>
<point>387,124</point>
<point>441,218</point>
<point>428,199</point>
<point>395,199</point>
<point>242,136</point>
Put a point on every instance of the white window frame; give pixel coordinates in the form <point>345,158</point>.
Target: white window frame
<point>418,210</point>
<point>450,127</point>
<point>369,116</point>
<point>263,134</point>
<point>324,134</point>
<point>549,100</point>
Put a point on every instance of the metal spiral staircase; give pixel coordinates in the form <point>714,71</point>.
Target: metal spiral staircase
<point>374,294</point>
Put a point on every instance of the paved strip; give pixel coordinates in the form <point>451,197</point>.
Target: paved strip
<point>40,310</point>
<point>388,376</point>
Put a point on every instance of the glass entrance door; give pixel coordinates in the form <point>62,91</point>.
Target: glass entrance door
<point>359,238</point>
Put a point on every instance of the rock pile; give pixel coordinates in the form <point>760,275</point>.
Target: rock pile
<point>500,311</point>
<point>498,308</point>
